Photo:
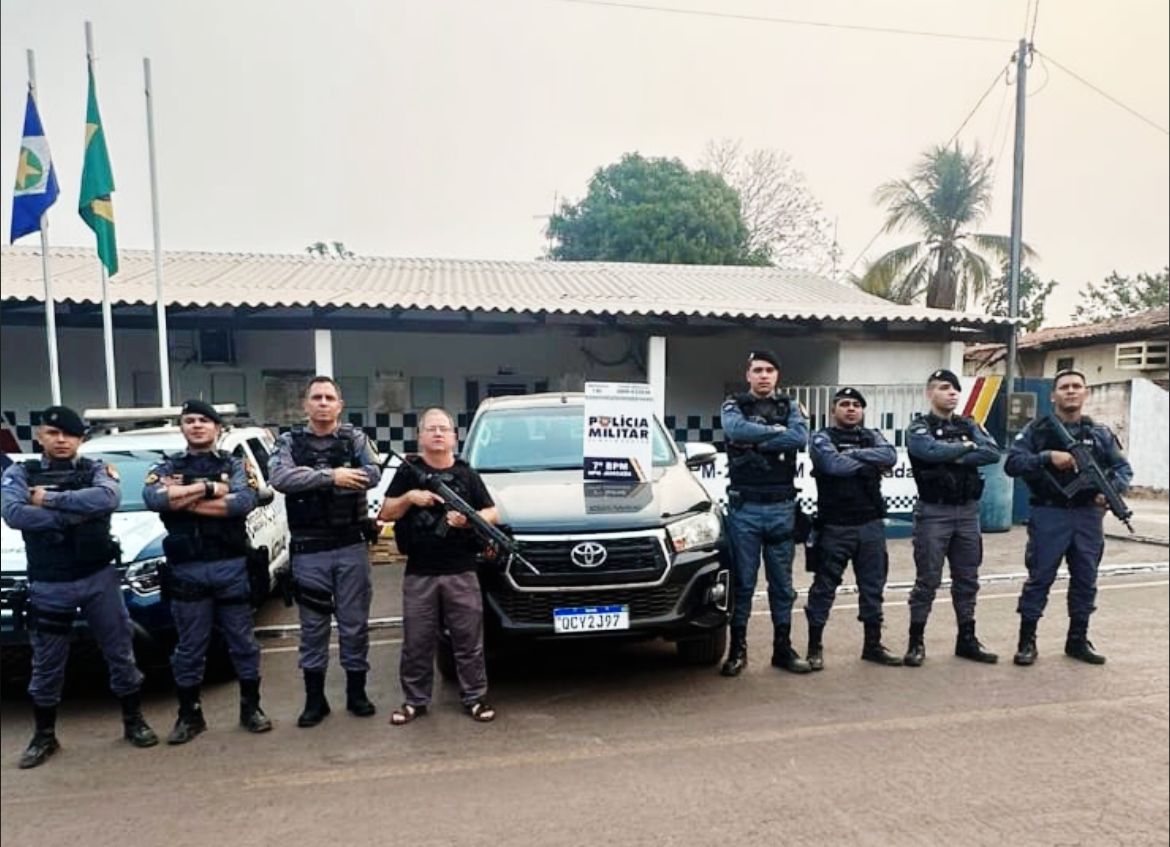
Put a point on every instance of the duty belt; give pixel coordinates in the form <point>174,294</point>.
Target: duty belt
<point>764,496</point>
<point>320,544</point>
<point>947,501</point>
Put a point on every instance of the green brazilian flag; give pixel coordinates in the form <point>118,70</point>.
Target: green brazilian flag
<point>97,182</point>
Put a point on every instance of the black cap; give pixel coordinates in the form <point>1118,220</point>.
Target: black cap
<point>64,419</point>
<point>198,407</point>
<point>764,356</point>
<point>851,394</point>
<point>1067,372</point>
<point>943,375</point>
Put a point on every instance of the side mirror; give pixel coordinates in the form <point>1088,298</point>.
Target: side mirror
<point>699,454</point>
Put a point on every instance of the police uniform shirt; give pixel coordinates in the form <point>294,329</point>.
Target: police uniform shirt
<point>828,459</point>
<point>1029,458</point>
<point>243,485</point>
<point>924,442</point>
<point>288,477</point>
<point>431,554</point>
<point>59,509</point>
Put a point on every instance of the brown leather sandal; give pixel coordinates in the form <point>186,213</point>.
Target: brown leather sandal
<point>480,711</point>
<point>405,713</point>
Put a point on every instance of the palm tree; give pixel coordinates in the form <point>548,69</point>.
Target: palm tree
<point>948,192</point>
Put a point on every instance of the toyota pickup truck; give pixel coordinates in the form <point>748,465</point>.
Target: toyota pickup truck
<point>598,559</point>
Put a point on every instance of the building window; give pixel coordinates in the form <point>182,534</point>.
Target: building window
<point>1064,363</point>
<point>147,391</point>
<point>228,387</point>
<point>1142,355</point>
<point>426,391</point>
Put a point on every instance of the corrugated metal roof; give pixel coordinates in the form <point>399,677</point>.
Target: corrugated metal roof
<point>598,288</point>
<point>1152,323</point>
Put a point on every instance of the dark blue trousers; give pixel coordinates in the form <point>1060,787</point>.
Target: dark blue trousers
<point>226,600</point>
<point>865,545</point>
<point>1073,535</point>
<point>99,597</point>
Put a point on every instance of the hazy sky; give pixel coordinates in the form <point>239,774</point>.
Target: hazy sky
<point>444,128</point>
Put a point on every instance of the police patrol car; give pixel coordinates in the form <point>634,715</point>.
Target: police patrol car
<point>138,531</point>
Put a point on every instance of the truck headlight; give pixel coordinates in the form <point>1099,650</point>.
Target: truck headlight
<point>143,576</point>
<point>700,530</point>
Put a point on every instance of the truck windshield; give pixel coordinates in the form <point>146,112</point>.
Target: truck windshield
<point>540,438</point>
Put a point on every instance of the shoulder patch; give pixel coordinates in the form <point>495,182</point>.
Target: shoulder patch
<point>250,473</point>
<point>112,470</point>
<point>151,477</point>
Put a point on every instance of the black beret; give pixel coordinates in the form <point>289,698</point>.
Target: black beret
<point>851,394</point>
<point>943,375</point>
<point>198,407</point>
<point>64,419</point>
<point>764,356</point>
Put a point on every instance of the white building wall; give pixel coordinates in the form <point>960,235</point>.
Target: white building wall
<point>1149,445</point>
<point>891,362</point>
<point>1098,364</point>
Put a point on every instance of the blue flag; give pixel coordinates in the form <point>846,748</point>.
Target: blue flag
<point>36,181</point>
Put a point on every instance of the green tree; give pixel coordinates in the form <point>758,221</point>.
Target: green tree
<point>947,193</point>
<point>1121,296</point>
<point>1032,296</point>
<point>653,210</point>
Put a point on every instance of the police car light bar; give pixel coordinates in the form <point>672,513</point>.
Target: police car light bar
<point>98,417</point>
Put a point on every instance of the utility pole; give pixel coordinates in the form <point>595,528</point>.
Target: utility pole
<point>1022,53</point>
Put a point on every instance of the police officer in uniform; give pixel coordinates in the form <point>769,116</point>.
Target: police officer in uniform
<point>1061,527</point>
<point>203,496</point>
<point>764,430</point>
<point>62,504</point>
<point>946,451</point>
<point>848,463</point>
<point>324,470</point>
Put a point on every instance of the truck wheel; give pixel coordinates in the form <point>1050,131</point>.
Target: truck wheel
<point>706,650</point>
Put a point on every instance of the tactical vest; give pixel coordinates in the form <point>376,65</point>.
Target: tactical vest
<point>752,471</point>
<point>61,555</point>
<point>327,511</point>
<point>947,482</point>
<point>192,537</point>
<point>1045,438</point>
<point>850,500</point>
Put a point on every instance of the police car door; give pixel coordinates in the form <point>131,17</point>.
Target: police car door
<point>267,523</point>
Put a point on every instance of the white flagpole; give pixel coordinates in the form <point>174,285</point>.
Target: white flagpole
<point>164,370</point>
<point>50,305</point>
<point>107,313</point>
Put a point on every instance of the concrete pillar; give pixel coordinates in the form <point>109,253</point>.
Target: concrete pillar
<point>953,357</point>
<point>323,351</point>
<point>656,372</point>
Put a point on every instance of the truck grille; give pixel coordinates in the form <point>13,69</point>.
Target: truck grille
<point>634,558</point>
<point>537,607</point>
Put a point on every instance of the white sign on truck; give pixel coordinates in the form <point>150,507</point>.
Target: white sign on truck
<point>618,421</point>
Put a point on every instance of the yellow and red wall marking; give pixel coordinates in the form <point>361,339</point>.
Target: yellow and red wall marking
<point>975,401</point>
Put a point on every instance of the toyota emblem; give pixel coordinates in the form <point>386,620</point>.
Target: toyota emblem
<point>588,554</point>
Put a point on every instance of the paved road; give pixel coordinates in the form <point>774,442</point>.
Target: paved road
<point>630,747</point>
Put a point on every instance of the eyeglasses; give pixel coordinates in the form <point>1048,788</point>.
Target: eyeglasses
<point>442,430</point>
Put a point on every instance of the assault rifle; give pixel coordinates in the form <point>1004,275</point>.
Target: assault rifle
<point>1089,474</point>
<point>499,542</point>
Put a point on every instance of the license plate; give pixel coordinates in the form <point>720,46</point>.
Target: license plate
<point>591,619</point>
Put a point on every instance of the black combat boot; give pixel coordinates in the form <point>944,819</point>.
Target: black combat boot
<point>1026,652</point>
<point>190,721</point>
<point>874,650</point>
<point>1078,644</point>
<point>356,700</point>
<point>316,706</point>
<point>135,729</point>
<point>783,656</point>
<point>44,741</point>
<point>967,646</point>
<point>251,716</point>
<point>736,653</point>
<point>916,648</point>
<point>816,652</point>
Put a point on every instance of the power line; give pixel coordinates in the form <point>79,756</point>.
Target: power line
<point>1035,17</point>
<point>1106,94</point>
<point>788,21</point>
